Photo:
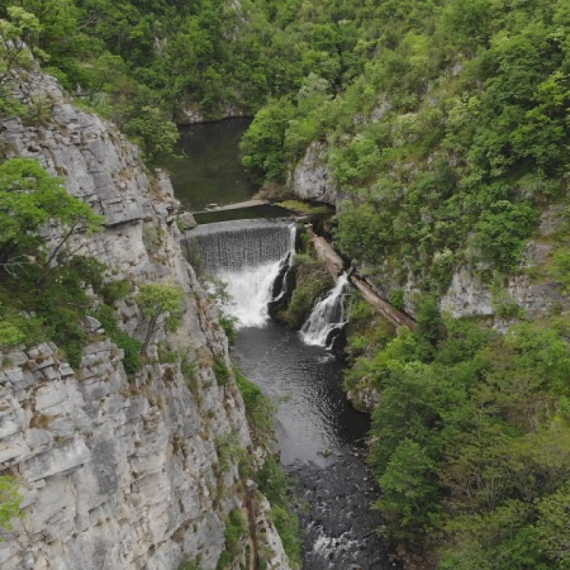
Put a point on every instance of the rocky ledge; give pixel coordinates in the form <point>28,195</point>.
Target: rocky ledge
<point>122,472</point>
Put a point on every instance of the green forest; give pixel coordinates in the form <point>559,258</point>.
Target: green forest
<point>446,129</point>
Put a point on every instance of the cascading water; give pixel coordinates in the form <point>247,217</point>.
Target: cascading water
<point>328,315</point>
<point>319,433</point>
<point>248,255</point>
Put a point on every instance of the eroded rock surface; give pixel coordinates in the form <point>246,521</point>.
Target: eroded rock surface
<point>311,178</point>
<point>120,472</point>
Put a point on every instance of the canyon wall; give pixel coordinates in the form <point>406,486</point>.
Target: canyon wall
<point>118,471</point>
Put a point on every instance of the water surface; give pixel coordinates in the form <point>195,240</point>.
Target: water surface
<point>315,421</point>
<point>266,211</point>
<point>208,169</point>
<point>321,436</point>
<point>321,442</point>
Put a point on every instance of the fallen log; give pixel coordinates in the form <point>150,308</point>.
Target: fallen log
<point>335,266</point>
<point>396,317</point>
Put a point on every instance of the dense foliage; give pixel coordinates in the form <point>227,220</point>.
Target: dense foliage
<point>446,126</point>
<point>43,286</point>
<point>450,141</point>
<point>10,499</point>
<point>144,63</point>
<point>471,440</point>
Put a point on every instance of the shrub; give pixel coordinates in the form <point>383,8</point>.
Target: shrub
<point>311,280</point>
<point>221,371</point>
<point>259,409</point>
<point>116,290</point>
<point>275,484</point>
<point>10,499</point>
<point>132,347</point>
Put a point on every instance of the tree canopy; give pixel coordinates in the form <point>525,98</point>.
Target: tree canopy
<point>30,200</point>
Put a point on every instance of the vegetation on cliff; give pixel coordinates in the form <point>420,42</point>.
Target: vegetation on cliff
<point>144,63</point>
<point>447,145</point>
<point>10,500</point>
<point>446,123</point>
<point>41,296</point>
<point>470,440</point>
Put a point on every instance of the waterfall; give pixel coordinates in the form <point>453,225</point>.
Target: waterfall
<point>248,255</point>
<point>328,315</point>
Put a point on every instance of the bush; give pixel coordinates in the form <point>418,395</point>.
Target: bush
<point>132,347</point>
<point>311,280</point>
<point>236,527</point>
<point>259,409</point>
<point>503,231</point>
<point>10,499</point>
<point>275,485</point>
<point>221,371</point>
<point>115,291</point>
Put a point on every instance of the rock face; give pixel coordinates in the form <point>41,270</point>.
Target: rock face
<point>468,293</point>
<point>531,289</point>
<point>311,179</point>
<point>121,472</point>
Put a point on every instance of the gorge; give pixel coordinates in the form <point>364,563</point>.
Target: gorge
<point>318,431</point>
<point>130,434</point>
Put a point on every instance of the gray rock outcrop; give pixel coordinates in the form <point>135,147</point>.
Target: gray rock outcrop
<point>311,178</point>
<point>121,472</point>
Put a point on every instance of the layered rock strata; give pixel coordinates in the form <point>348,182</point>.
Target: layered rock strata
<point>121,472</point>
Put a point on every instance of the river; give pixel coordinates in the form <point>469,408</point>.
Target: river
<point>321,436</point>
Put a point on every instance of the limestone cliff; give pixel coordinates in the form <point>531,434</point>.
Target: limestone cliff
<point>311,177</point>
<point>469,293</point>
<point>528,292</point>
<point>122,472</point>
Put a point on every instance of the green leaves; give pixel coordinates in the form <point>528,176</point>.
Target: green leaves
<point>503,230</point>
<point>10,500</point>
<point>158,299</point>
<point>152,131</point>
<point>409,488</point>
<point>472,451</point>
<point>21,29</point>
<point>30,199</point>
<point>263,144</point>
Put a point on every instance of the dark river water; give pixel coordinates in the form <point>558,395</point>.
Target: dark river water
<point>208,169</point>
<point>321,437</point>
<point>314,418</point>
<point>321,441</point>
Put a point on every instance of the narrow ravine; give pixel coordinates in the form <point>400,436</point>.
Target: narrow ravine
<point>321,437</point>
<point>321,440</point>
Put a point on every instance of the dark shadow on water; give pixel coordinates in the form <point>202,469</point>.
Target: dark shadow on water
<point>320,434</point>
<point>314,417</point>
<point>209,168</point>
<point>265,211</point>
<point>321,440</point>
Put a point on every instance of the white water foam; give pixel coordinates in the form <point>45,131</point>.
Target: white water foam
<point>327,315</point>
<point>250,287</point>
<point>250,290</point>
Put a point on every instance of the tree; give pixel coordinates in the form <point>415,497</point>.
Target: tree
<point>502,232</point>
<point>262,145</point>
<point>156,299</point>
<point>14,37</point>
<point>30,200</point>
<point>409,490</point>
<point>152,131</point>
